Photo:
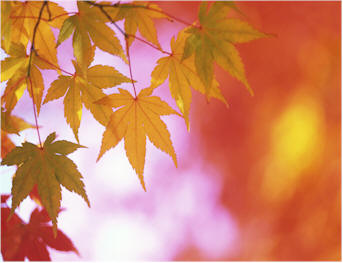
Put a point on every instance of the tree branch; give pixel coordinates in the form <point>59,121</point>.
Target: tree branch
<point>101,7</point>
<point>116,5</point>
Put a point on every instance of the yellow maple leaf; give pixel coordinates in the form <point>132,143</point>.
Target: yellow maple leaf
<point>137,118</point>
<point>182,76</point>
<point>22,21</point>
<point>14,69</point>
<point>88,23</point>
<point>6,30</point>
<point>10,124</point>
<point>49,168</point>
<point>85,88</point>
<point>139,15</point>
<point>13,124</point>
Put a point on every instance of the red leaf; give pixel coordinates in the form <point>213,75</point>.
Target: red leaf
<point>20,241</point>
<point>36,251</point>
<point>35,196</point>
<point>4,198</point>
<point>61,242</point>
<point>11,235</point>
<point>38,217</point>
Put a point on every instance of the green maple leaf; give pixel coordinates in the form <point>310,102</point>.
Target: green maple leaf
<point>182,76</point>
<point>49,168</point>
<point>213,41</point>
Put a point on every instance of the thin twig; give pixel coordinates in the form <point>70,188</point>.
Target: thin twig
<point>101,7</point>
<point>34,37</point>
<point>145,7</point>
<point>28,76</point>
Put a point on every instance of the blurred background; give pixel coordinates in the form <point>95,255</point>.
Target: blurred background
<point>260,180</point>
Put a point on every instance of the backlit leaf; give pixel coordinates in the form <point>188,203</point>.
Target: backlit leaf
<point>85,88</point>
<point>15,69</point>
<point>137,118</point>
<point>88,24</point>
<point>49,168</point>
<point>139,15</point>
<point>13,124</point>
<point>21,240</point>
<point>182,76</point>
<point>23,24</point>
<point>213,41</point>
<point>10,124</point>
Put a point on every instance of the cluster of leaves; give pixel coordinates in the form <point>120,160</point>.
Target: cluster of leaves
<point>27,37</point>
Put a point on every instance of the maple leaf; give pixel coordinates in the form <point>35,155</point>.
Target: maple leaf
<point>6,144</point>
<point>13,124</point>
<point>88,23</point>
<point>5,25</point>
<point>214,40</point>
<point>85,87</point>
<point>182,76</point>
<point>21,240</point>
<point>22,20</point>
<point>137,118</point>
<point>48,167</point>
<point>138,16</point>
<point>15,69</point>
<point>10,124</point>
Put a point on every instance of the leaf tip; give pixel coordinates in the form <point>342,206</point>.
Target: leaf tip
<point>141,179</point>
<point>252,94</point>
<point>85,197</point>
<point>10,215</point>
<point>54,229</point>
<point>81,146</point>
<point>99,156</point>
<point>271,35</point>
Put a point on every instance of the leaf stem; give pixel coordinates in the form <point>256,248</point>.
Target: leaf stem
<point>34,111</point>
<point>128,57</point>
<point>150,44</point>
<point>51,64</point>
<point>28,76</point>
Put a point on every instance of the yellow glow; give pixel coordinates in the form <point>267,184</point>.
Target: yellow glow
<point>295,134</point>
<point>180,104</point>
<point>20,91</point>
<point>79,113</point>
<point>295,144</point>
